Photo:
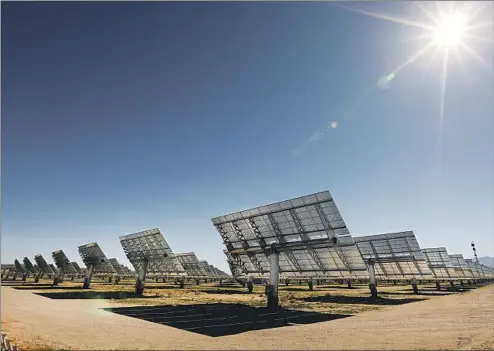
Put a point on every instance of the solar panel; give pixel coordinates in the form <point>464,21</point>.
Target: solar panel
<point>63,263</point>
<point>7,269</point>
<point>210,273</point>
<point>76,267</point>
<point>396,255</point>
<point>117,266</point>
<point>191,265</point>
<point>310,230</point>
<point>29,266</point>
<point>18,266</point>
<point>53,268</point>
<point>92,255</point>
<point>149,252</point>
<point>460,266</point>
<point>474,268</point>
<point>440,263</point>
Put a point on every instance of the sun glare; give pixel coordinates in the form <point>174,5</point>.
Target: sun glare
<point>450,29</point>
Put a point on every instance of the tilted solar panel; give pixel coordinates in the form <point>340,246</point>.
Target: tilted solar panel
<point>309,232</point>
<point>396,255</point>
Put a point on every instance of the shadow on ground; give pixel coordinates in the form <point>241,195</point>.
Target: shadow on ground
<point>225,291</point>
<point>362,300</point>
<point>83,295</point>
<point>421,293</point>
<point>47,287</point>
<point>222,319</point>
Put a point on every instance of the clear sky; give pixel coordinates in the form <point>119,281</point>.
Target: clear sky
<point>119,117</point>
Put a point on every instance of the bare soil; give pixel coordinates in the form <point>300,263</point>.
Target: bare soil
<point>67,317</point>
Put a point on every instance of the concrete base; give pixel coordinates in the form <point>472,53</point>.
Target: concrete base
<point>250,287</point>
<point>86,283</point>
<point>56,281</point>
<point>415,288</point>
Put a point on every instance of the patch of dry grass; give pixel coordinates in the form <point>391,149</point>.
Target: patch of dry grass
<point>324,298</point>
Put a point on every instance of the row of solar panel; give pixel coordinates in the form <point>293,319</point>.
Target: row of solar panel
<point>313,241</point>
<point>185,264</point>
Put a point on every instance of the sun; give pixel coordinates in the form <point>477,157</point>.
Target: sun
<point>451,29</point>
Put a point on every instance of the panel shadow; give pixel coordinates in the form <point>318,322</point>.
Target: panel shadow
<point>87,294</point>
<point>225,291</point>
<point>222,319</point>
<point>362,300</point>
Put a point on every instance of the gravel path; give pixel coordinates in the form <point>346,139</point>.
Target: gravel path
<point>461,321</point>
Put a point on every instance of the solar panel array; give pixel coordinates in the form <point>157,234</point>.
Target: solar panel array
<point>117,266</point>
<point>396,255</point>
<point>439,262</point>
<point>43,265</point>
<point>76,267</point>
<point>63,263</point>
<point>92,255</point>
<point>191,265</point>
<point>475,268</point>
<point>310,230</point>
<point>460,266</point>
<point>151,246</point>
<point>18,267</point>
<point>29,266</point>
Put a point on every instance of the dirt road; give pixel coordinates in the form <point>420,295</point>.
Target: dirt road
<point>461,321</point>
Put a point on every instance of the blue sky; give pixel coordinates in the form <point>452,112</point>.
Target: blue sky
<point>121,117</point>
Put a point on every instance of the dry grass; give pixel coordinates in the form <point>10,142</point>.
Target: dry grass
<point>324,298</point>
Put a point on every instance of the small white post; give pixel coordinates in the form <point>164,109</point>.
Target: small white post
<point>372,279</point>
<point>272,288</point>
<point>142,277</point>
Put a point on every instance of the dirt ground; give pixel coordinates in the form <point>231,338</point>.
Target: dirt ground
<point>68,317</point>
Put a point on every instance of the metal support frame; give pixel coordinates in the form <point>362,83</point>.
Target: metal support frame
<point>373,248</point>
<point>245,245</point>
<point>305,239</point>
<point>279,235</point>
<point>393,256</point>
<point>328,226</point>
<point>413,258</point>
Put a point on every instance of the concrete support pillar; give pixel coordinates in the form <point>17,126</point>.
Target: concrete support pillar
<point>414,286</point>
<point>89,276</point>
<point>349,283</point>
<point>141,279</point>
<point>198,282</point>
<point>287,282</point>
<point>395,282</point>
<point>250,284</point>
<point>181,281</point>
<point>272,287</point>
<point>372,279</point>
<point>438,286</point>
<point>452,284</point>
